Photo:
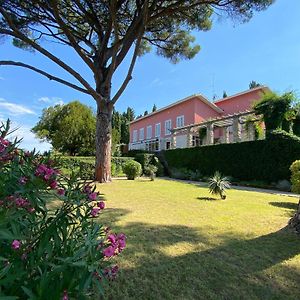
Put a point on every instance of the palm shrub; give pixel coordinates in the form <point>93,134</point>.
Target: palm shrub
<point>218,184</point>
<point>295,178</point>
<point>132,169</point>
<point>47,253</point>
<point>150,171</point>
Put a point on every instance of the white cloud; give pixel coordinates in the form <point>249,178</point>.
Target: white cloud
<point>29,141</point>
<point>1,78</point>
<point>44,99</point>
<point>156,82</point>
<point>14,109</point>
<point>51,100</point>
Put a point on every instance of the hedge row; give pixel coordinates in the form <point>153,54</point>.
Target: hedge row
<point>268,160</point>
<point>86,165</point>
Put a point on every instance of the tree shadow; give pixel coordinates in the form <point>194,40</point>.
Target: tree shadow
<point>286,205</point>
<point>180,262</point>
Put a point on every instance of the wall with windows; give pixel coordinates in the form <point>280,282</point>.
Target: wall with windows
<point>161,122</point>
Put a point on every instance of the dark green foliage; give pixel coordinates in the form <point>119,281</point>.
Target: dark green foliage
<point>253,84</point>
<point>154,108</point>
<point>224,94</point>
<point>87,170</point>
<point>185,174</point>
<point>146,159</point>
<point>132,169</point>
<point>150,171</point>
<point>268,160</point>
<point>86,165</point>
<point>69,128</point>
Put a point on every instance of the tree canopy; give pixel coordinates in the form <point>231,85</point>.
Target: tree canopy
<point>69,128</point>
<point>278,111</point>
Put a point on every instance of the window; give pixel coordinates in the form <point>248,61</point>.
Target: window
<point>157,130</point>
<point>168,127</point>
<point>180,121</point>
<point>134,139</point>
<point>141,134</point>
<point>168,145</point>
<point>149,132</point>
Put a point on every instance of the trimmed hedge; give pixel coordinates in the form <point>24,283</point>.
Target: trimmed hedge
<point>268,160</point>
<point>86,165</point>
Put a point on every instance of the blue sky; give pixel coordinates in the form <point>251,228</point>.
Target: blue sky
<point>267,50</point>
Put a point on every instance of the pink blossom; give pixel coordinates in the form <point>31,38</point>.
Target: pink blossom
<point>65,296</point>
<point>16,244</point>
<point>93,196</point>
<point>53,184</point>
<point>31,210</point>
<point>87,189</point>
<point>21,202</point>
<point>109,251</point>
<point>111,273</point>
<point>101,205</point>
<point>23,180</point>
<point>61,192</point>
<point>112,238</point>
<point>95,211</point>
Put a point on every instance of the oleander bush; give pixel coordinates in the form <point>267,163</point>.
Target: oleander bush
<point>132,169</point>
<point>60,253</point>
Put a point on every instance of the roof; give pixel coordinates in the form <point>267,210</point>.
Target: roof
<point>263,87</point>
<point>197,96</point>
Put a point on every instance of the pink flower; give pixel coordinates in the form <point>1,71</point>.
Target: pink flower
<point>16,244</point>
<point>111,273</point>
<point>53,184</point>
<point>23,180</point>
<point>95,211</point>
<point>93,196</point>
<point>65,296</point>
<point>31,210</point>
<point>61,192</point>
<point>101,205</point>
<point>87,189</point>
<point>109,251</point>
<point>112,238</point>
<point>20,202</point>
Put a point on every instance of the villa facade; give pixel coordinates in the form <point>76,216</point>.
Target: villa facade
<point>177,125</point>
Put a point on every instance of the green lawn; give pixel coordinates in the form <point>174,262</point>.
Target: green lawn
<point>181,246</point>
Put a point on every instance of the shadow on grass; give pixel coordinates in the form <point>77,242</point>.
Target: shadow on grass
<point>287,205</point>
<point>208,198</point>
<point>157,264</point>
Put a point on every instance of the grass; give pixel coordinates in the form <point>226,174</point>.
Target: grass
<point>183,245</point>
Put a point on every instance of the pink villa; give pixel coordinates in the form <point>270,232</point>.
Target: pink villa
<point>178,124</point>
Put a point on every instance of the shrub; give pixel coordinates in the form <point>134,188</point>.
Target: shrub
<point>267,160</point>
<point>186,174</point>
<point>145,159</point>
<point>87,170</point>
<point>132,169</point>
<point>50,254</point>
<point>295,178</point>
<point>218,185</point>
<point>150,171</point>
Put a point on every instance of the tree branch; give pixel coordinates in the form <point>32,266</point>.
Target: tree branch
<point>15,32</point>
<point>49,76</point>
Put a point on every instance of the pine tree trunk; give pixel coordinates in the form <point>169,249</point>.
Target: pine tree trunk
<point>103,142</point>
